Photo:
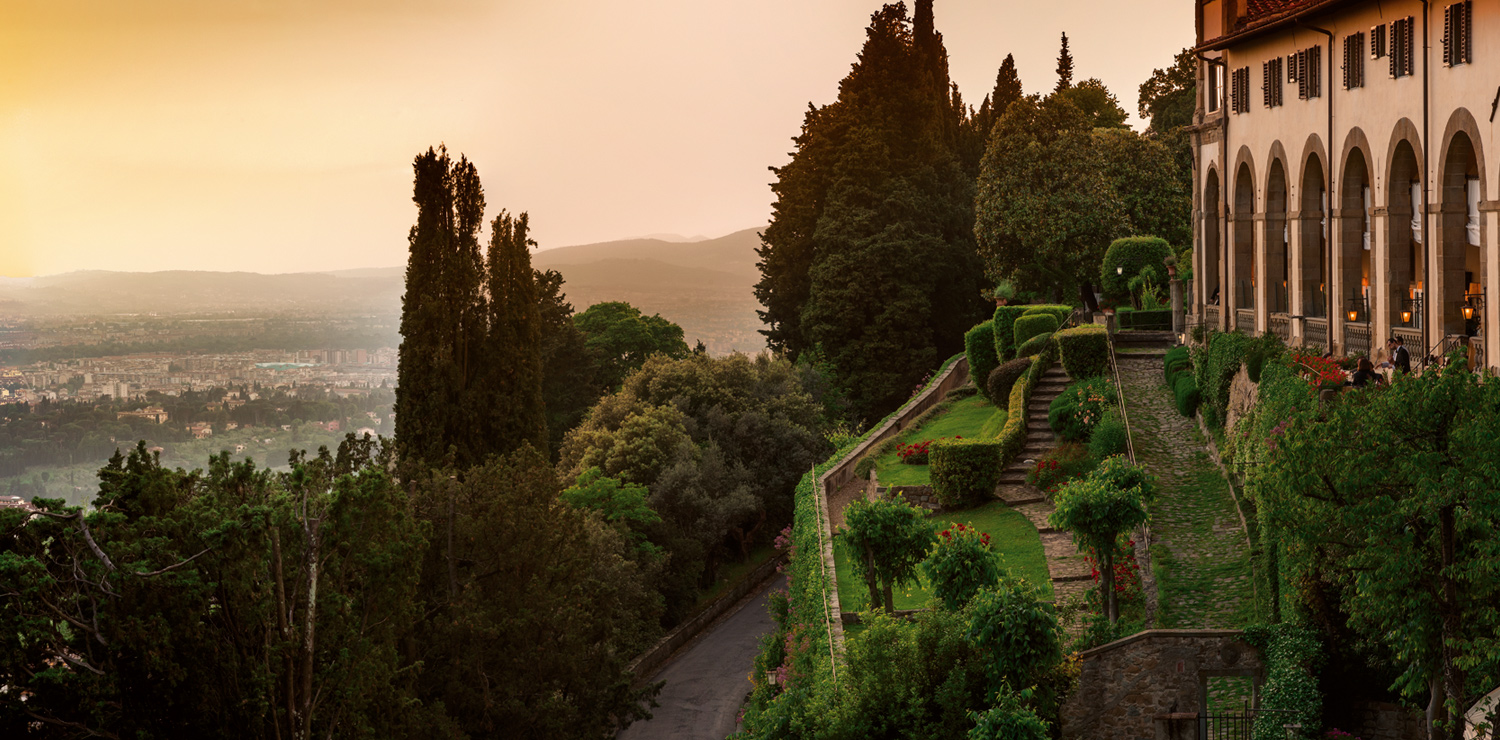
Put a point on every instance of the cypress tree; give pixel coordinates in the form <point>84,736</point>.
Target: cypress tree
<point>514,345</point>
<point>1064,66</point>
<point>426,335</point>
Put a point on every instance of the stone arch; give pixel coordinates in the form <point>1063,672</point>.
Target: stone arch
<point>1355,215</point>
<point>1406,252</point>
<point>1311,256</point>
<point>1242,273</point>
<point>1212,234</point>
<point>1459,188</point>
<point>1278,236</point>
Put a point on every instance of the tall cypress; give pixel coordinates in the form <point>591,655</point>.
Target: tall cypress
<point>1064,66</point>
<point>426,332</point>
<point>514,345</point>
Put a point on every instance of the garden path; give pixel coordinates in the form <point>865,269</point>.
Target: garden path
<point>1199,548</point>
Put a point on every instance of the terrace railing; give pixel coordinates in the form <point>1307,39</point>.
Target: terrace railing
<point>1315,333</point>
<point>1281,326</point>
<point>1244,320</point>
<point>1357,338</point>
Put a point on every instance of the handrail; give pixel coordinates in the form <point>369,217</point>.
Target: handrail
<point>1120,397</point>
<point>1439,350</point>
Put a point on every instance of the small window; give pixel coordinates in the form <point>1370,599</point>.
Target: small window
<point>1240,90</point>
<point>1310,72</point>
<point>1271,82</point>
<point>1215,86</point>
<point>1402,34</point>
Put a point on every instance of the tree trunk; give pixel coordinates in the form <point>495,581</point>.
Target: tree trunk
<point>1453,675</point>
<point>890,603</point>
<point>870,578</point>
<point>283,610</point>
<point>1107,582</point>
<point>1434,706</point>
<point>1086,293</point>
<point>310,531</point>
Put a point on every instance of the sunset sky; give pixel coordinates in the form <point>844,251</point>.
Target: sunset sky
<point>277,135</point>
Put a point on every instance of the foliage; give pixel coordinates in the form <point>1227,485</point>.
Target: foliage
<point>870,252</point>
<point>1098,104</point>
<point>1390,497</point>
<point>513,344</point>
<point>1322,373</point>
<point>979,345</point>
<point>960,564</point>
<point>894,536</point>
<point>1185,393</point>
<point>1031,325</point>
<point>1035,346</point>
<point>1015,634</point>
<point>1129,257</point>
<point>621,339</point>
<point>917,453</point>
<point>965,471</point>
<point>1064,66</point>
<point>620,504</point>
<point>1068,461</point>
<point>1214,372</point>
<point>1167,99</point>
<point>569,386</point>
<point>1045,209</point>
<point>1109,437</point>
<point>1151,186</point>
<point>1266,348</point>
<point>1293,659</point>
<point>1009,718</point>
<point>1097,510</point>
<point>1177,361</point>
<point>1003,378</point>
<point>1079,407</point>
<point>1004,328</point>
<point>1058,311</point>
<point>1012,436</point>
<point>1155,319</point>
<point>1084,351</point>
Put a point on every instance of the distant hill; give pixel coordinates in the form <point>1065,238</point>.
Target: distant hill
<point>191,291</point>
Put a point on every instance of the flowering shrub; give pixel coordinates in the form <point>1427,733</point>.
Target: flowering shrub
<point>1339,734</point>
<point>1127,572</point>
<point>917,453</point>
<point>1321,372</point>
<point>960,564</point>
<point>1068,462</point>
<point>1074,413</point>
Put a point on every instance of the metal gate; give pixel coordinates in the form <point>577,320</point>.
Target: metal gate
<point>1238,725</point>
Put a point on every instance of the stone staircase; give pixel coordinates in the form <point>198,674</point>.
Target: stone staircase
<point>1137,345</point>
<point>1039,437</point>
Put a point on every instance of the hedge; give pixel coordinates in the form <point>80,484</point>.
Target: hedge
<point>1035,345</point>
<point>1084,350</point>
<point>1109,437</point>
<point>1176,361</point>
<point>965,471</point>
<point>1055,310</point>
<point>979,346</point>
<point>1012,436</point>
<point>1005,340</point>
<point>1214,372</point>
<point>1160,319</point>
<point>1033,324</point>
<point>1133,254</point>
<point>1186,391</point>
<point>1004,378</point>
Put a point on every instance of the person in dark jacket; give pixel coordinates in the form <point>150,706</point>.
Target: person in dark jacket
<point>1400,358</point>
<point>1366,374</point>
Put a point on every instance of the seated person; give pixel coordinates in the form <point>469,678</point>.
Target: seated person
<point>1366,374</point>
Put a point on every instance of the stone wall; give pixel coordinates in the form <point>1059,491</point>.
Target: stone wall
<point>1140,687</point>
<point>1382,721</point>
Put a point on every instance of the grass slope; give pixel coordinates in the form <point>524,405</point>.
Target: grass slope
<point>969,417</point>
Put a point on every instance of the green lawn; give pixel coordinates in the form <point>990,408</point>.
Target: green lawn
<point>1017,547</point>
<point>971,417</point>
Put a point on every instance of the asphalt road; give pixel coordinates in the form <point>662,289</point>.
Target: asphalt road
<point>707,682</point>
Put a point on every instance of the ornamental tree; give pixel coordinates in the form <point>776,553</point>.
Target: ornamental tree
<point>1015,633</point>
<point>1400,488</point>
<point>892,537</point>
<point>960,564</point>
<point>1097,511</point>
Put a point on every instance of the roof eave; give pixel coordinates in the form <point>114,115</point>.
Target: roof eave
<point>1274,23</point>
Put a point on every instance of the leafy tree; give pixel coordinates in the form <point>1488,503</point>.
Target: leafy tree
<point>1169,97</point>
<point>1097,103</point>
<point>514,346</point>
<point>1046,210</point>
<point>1064,66</point>
<point>619,504</point>
<point>960,565</point>
<point>891,537</point>
<point>1398,490</point>
<point>1016,635</point>
<point>569,387</point>
<point>1146,180</point>
<point>1010,719</point>
<point>621,338</point>
<point>1097,510</point>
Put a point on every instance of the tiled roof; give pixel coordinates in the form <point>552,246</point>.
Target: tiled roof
<point>1261,8</point>
<point>1264,15</point>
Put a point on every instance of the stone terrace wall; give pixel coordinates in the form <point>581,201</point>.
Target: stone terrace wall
<point>1128,687</point>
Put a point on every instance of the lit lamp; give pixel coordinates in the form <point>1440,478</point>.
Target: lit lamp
<point>1468,310</point>
<point>1353,315</point>
<point>1406,316</point>
<point>1355,307</point>
<point>1119,270</point>
<point>1411,308</point>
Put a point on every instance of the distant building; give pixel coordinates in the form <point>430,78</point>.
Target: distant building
<point>201,430</point>
<point>154,413</point>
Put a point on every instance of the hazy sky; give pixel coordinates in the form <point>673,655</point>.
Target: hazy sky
<point>277,135</point>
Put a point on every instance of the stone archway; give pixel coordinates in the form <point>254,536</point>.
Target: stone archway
<point>1243,273</point>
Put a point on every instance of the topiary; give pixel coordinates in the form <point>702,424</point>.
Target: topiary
<point>1079,407</point>
<point>1055,310</point>
<point>1004,377</point>
<point>964,471</point>
<point>979,346</point>
<point>1125,259</point>
<point>1109,437</point>
<point>1186,392</point>
<point>1005,339</point>
<point>1176,359</point>
<point>1031,325</point>
<point>1034,346</point>
<point>1084,350</point>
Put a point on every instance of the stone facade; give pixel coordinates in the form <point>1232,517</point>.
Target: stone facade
<point>1147,685</point>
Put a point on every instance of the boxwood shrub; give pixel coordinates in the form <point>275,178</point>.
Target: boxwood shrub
<point>1146,320</point>
<point>1185,388</point>
<point>1109,437</point>
<point>1176,362</point>
<point>1035,345</point>
<point>1133,254</point>
<point>1005,338</point>
<point>1055,310</point>
<point>1004,378</point>
<point>979,345</point>
<point>1033,324</point>
<point>1084,350</point>
<point>964,471</point>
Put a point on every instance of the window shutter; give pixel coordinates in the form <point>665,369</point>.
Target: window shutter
<point>1408,33</point>
<point>1315,71</point>
<point>1291,67</point>
<point>1448,30</point>
<point>1467,38</point>
<point>1377,41</point>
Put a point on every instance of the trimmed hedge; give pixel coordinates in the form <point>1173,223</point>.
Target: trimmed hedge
<point>1186,391</point>
<point>965,471</point>
<point>1055,310</point>
<point>1033,324</point>
<point>1176,362</point>
<point>1034,345</point>
<point>1003,378</point>
<point>1005,338</point>
<point>1132,253</point>
<point>1146,320</point>
<point>979,345</point>
<point>1214,373</point>
<point>1084,351</point>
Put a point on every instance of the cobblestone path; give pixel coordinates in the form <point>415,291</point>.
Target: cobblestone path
<point>1199,550</point>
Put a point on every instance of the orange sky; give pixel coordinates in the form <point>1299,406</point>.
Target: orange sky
<point>277,135</point>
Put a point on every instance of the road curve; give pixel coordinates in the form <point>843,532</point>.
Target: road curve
<point>707,682</point>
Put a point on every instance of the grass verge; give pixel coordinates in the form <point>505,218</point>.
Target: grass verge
<point>968,417</point>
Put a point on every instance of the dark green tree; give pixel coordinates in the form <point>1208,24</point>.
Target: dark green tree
<point>621,339</point>
<point>1064,66</point>
<point>1097,103</point>
<point>891,538</point>
<point>1145,177</point>
<point>514,391</point>
<point>1168,98</point>
<point>569,387</point>
<point>978,126</point>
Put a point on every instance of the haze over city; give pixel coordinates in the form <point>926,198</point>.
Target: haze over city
<point>277,136</point>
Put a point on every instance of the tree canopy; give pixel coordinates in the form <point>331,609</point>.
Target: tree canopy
<point>621,338</point>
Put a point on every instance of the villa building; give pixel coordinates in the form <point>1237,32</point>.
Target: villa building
<point>1342,191</point>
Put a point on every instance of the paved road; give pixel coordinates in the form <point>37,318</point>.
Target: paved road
<point>707,682</point>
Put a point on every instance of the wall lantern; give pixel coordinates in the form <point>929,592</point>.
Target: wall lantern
<point>1411,308</point>
<point>1120,270</point>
